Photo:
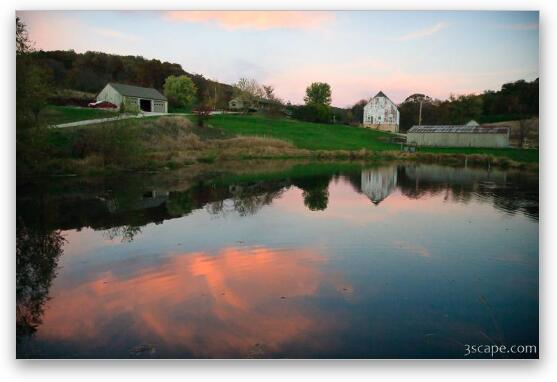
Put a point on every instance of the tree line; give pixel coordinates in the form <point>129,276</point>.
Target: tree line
<point>91,71</point>
<point>514,101</point>
<point>41,75</point>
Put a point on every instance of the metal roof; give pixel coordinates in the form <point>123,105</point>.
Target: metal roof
<point>138,91</point>
<point>458,129</point>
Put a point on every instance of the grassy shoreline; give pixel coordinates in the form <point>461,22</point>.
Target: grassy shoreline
<point>167,143</point>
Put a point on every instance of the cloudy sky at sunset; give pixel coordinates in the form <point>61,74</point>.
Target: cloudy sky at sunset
<point>358,53</point>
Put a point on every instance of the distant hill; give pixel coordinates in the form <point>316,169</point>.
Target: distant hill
<point>89,72</point>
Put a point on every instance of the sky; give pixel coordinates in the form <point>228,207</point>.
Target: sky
<point>358,53</point>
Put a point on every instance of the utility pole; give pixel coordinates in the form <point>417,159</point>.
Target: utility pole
<point>420,116</point>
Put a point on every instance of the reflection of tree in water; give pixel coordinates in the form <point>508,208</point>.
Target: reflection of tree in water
<point>509,191</point>
<point>315,191</point>
<point>247,199</point>
<point>126,233</point>
<point>37,255</point>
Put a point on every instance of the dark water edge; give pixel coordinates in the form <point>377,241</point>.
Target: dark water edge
<point>278,259</point>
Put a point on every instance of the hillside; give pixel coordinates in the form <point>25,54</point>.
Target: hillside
<point>89,72</point>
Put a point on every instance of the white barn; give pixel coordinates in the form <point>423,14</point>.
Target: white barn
<point>146,99</point>
<point>381,113</point>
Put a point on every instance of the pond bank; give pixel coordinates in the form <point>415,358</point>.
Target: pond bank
<point>175,142</point>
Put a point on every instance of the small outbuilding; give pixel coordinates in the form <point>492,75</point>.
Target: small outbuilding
<point>237,104</point>
<point>458,136</point>
<point>146,99</point>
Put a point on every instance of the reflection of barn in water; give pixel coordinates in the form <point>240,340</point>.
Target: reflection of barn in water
<point>378,183</point>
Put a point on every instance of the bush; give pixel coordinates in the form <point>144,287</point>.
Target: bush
<point>116,143</point>
<point>313,112</point>
<point>129,108</point>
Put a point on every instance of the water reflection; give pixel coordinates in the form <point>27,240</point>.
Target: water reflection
<point>292,264</point>
<point>37,256</point>
<point>315,191</point>
<point>193,304</point>
<point>378,183</point>
<point>129,208</point>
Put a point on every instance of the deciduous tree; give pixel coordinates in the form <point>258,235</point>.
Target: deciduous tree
<point>249,92</point>
<point>319,93</point>
<point>180,90</point>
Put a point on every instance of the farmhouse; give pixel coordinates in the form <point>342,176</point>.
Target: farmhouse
<point>458,136</point>
<point>381,113</point>
<point>146,99</point>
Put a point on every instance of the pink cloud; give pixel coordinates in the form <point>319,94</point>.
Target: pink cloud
<point>355,80</point>
<point>258,20</point>
<point>350,82</point>
<point>49,30</point>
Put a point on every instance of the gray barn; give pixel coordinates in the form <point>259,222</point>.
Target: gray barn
<point>146,99</point>
<point>458,136</point>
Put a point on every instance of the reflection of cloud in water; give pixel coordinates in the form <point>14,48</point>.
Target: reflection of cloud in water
<point>206,305</point>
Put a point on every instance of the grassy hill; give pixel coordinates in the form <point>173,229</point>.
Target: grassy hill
<point>316,136</point>
<point>306,135</point>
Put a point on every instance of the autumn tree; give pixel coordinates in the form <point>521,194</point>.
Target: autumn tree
<point>248,91</point>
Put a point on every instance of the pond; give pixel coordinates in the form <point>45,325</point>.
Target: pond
<point>278,260</point>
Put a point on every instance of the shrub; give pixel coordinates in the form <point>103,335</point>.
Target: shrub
<point>313,112</point>
<point>129,108</point>
<point>117,143</point>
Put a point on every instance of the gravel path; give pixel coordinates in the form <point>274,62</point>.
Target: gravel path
<point>101,120</point>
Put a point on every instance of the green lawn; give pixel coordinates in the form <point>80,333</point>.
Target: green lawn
<point>315,136</point>
<point>305,135</point>
<point>54,115</point>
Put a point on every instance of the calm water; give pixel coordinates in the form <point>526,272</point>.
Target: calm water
<point>316,261</point>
